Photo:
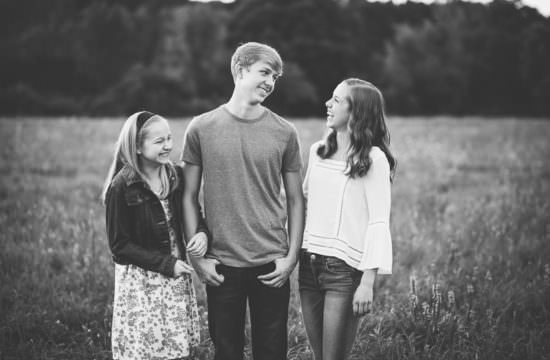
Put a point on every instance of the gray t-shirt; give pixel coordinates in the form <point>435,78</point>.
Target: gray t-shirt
<point>242,163</point>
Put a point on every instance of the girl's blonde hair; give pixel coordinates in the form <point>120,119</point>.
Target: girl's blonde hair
<point>126,153</point>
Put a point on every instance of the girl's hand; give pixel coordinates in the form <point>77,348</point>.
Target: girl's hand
<point>198,245</point>
<point>362,300</point>
<point>181,268</point>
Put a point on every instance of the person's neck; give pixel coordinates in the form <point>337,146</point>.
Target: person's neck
<point>343,140</point>
<point>242,108</point>
<point>151,172</point>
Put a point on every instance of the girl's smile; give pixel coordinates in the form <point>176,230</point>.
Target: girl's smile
<point>157,144</point>
<point>338,109</point>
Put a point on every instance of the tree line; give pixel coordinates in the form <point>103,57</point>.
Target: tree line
<point>114,57</point>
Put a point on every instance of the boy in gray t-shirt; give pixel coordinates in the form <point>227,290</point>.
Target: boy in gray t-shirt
<point>243,152</point>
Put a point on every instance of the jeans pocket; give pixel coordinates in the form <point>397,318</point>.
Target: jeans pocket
<point>303,264</point>
<point>265,269</point>
<point>335,265</point>
<point>221,269</point>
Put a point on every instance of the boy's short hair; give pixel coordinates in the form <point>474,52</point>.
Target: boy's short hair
<point>252,52</point>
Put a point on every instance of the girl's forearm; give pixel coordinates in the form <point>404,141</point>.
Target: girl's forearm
<point>369,275</point>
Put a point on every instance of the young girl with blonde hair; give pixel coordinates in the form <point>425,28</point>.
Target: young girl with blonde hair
<point>155,310</point>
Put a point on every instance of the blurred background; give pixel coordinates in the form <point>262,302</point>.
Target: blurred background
<point>99,57</point>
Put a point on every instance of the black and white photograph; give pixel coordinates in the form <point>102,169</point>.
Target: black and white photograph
<point>275,179</point>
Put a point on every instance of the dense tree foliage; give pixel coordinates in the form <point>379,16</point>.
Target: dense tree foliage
<point>118,56</point>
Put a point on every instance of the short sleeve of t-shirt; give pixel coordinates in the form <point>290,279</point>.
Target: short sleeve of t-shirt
<point>191,152</point>
<point>292,159</point>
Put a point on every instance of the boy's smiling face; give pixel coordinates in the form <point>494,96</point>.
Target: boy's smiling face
<point>256,82</point>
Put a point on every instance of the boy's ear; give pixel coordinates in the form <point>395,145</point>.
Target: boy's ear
<point>239,70</point>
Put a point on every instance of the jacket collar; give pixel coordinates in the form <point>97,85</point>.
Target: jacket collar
<point>131,177</point>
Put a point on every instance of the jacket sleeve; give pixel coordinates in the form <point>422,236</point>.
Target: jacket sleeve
<point>377,251</point>
<point>123,248</point>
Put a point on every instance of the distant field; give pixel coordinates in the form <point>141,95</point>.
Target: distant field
<point>470,225</point>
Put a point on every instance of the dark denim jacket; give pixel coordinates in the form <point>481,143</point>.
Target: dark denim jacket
<point>136,224</point>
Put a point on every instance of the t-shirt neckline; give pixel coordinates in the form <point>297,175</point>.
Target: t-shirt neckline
<point>246,121</point>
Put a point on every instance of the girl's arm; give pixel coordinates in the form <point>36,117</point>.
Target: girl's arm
<point>377,252</point>
<point>362,298</point>
<point>119,223</point>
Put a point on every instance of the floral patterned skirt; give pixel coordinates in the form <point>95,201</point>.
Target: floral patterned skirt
<point>154,316</point>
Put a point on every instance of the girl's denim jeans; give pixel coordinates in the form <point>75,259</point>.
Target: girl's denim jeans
<point>327,285</point>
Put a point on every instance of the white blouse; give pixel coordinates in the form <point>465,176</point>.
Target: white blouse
<point>349,218</point>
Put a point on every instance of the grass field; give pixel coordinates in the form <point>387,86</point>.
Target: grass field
<point>470,225</point>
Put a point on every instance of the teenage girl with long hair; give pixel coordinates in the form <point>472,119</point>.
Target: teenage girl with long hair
<point>155,310</point>
<point>347,239</point>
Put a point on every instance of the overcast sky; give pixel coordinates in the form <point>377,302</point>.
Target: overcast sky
<point>542,5</point>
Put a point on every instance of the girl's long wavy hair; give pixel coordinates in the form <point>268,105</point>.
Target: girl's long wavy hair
<point>367,128</point>
<point>125,153</point>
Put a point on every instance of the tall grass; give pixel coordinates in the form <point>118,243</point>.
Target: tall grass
<point>470,223</point>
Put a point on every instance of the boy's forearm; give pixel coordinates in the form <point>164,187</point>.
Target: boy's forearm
<point>191,210</point>
<point>191,216</point>
<point>295,210</point>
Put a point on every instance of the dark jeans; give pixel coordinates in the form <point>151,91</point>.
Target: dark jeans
<point>268,314</point>
<point>327,285</point>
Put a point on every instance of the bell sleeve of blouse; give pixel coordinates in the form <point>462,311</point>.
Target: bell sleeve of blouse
<point>377,251</point>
